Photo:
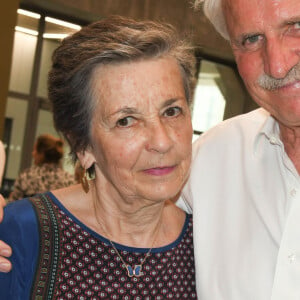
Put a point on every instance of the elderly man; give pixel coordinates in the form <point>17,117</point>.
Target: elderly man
<point>244,186</point>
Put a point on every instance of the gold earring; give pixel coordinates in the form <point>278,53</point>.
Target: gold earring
<point>85,181</point>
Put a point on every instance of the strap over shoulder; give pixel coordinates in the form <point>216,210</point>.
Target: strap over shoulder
<point>46,271</point>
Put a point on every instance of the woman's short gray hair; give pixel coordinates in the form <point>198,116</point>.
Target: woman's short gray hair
<point>109,41</point>
<point>214,12</point>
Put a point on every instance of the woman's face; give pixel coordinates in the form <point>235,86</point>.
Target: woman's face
<point>141,129</point>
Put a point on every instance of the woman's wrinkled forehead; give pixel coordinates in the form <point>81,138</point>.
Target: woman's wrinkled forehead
<point>135,84</point>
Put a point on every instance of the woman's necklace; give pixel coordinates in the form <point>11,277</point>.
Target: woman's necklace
<point>135,271</point>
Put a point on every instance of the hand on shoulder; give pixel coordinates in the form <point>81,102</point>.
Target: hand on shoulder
<point>5,250</point>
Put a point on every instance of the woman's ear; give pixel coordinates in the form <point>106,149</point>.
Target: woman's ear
<point>86,159</point>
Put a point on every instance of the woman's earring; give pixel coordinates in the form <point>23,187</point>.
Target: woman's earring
<point>84,176</point>
<point>85,181</point>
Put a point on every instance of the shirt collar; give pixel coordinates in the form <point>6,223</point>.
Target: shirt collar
<point>268,131</point>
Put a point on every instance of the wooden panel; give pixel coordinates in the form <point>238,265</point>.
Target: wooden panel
<point>177,12</point>
<point>8,18</point>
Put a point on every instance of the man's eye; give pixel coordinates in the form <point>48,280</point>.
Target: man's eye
<point>294,29</point>
<point>172,111</point>
<point>294,25</point>
<point>251,39</point>
<point>125,122</point>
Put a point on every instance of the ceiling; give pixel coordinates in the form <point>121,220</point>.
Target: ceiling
<point>180,13</point>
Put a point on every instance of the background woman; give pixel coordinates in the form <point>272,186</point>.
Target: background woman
<point>121,92</point>
<point>47,173</point>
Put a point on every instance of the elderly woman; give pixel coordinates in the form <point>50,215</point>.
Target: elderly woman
<point>121,92</point>
<point>47,173</point>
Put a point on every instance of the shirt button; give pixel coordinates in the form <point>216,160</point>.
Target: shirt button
<point>293,192</point>
<point>273,140</point>
<point>292,257</point>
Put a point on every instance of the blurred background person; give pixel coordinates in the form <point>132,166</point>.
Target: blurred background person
<point>47,173</point>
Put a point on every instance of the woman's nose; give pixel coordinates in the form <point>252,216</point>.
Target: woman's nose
<point>159,138</point>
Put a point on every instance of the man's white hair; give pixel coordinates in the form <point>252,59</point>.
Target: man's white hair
<point>213,11</point>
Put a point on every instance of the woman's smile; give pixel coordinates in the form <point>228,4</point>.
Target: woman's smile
<point>160,171</point>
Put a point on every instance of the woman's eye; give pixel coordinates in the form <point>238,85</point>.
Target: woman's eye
<point>172,111</point>
<point>125,122</point>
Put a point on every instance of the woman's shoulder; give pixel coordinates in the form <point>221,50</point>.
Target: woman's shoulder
<point>18,211</point>
<point>19,229</point>
<point>19,222</point>
<point>21,217</point>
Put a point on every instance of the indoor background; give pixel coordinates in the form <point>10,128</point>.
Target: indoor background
<point>32,29</point>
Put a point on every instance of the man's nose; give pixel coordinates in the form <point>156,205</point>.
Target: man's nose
<point>280,57</point>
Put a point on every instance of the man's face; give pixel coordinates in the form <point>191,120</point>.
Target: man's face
<point>265,38</point>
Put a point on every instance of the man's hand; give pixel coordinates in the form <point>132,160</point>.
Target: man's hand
<point>2,204</point>
<point>5,250</point>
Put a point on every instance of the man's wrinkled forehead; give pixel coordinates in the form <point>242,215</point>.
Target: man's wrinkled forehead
<point>239,6</point>
<point>244,16</point>
<point>271,12</point>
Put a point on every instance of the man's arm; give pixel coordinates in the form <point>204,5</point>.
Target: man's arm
<point>5,250</point>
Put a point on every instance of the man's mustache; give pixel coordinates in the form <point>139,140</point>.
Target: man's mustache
<point>270,83</point>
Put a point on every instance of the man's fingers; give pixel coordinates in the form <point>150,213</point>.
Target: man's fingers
<point>5,251</point>
<point>5,265</point>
